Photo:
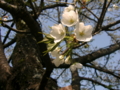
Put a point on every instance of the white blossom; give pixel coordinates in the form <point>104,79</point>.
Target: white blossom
<point>75,66</point>
<point>69,18</point>
<point>115,7</point>
<point>58,32</point>
<point>55,52</point>
<point>69,8</point>
<point>58,61</point>
<point>67,60</point>
<point>61,57</point>
<point>83,33</point>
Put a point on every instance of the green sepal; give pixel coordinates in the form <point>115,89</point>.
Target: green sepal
<point>69,38</point>
<point>46,35</point>
<point>51,47</point>
<point>43,41</point>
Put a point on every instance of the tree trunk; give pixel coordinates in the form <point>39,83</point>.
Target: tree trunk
<point>5,71</point>
<point>27,71</point>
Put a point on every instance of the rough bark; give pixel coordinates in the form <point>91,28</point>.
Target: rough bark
<point>4,67</point>
<point>75,82</point>
<point>27,68</point>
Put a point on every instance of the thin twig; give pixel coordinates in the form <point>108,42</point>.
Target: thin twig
<point>60,2</point>
<point>88,10</point>
<point>18,31</point>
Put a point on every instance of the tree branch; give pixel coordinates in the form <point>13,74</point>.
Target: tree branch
<point>110,25</point>
<point>8,7</point>
<point>94,55</point>
<point>88,9</point>
<point>53,6</point>
<point>103,70</point>
<point>88,17</point>
<point>10,43</point>
<point>113,29</point>
<point>4,66</point>
<point>18,31</point>
<point>6,36</point>
<point>99,53</point>
<point>96,82</point>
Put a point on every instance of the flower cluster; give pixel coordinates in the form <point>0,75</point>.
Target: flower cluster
<point>70,18</point>
<point>59,33</point>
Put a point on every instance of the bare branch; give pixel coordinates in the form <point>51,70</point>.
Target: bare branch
<point>96,82</point>
<point>113,29</point>
<point>99,53</point>
<point>10,43</point>
<point>4,66</point>
<point>94,55</point>
<point>8,7</point>
<point>33,8</point>
<point>103,70</point>
<point>18,31</point>
<point>53,6</point>
<point>88,9</point>
<point>6,36</point>
<point>110,25</point>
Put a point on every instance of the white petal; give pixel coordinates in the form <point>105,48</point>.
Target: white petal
<point>55,53</point>
<point>86,32</point>
<point>57,40</point>
<point>81,26</point>
<point>88,39</point>
<point>82,38</point>
<point>54,31</point>
<point>67,60</point>
<point>69,18</point>
<point>61,56</point>
<point>72,68</point>
<point>88,29</point>
<point>57,62</point>
<point>115,7</point>
<point>78,65</point>
<point>58,32</point>
<point>69,8</point>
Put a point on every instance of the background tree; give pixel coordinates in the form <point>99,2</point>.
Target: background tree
<point>26,67</point>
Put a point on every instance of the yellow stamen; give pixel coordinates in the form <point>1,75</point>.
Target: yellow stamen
<point>61,33</point>
<point>71,21</point>
<point>81,33</point>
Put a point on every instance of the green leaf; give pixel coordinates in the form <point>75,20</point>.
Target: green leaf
<point>46,35</point>
<point>43,41</point>
<point>51,47</point>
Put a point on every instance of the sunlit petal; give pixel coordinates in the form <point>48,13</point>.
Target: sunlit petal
<point>69,18</point>
<point>83,33</point>
<point>58,32</point>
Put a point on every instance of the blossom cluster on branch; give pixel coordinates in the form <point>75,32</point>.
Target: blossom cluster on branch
<point>60,32</point>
